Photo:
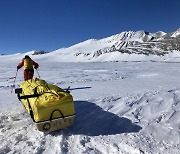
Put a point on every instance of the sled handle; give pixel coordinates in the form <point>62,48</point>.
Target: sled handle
<point>55,111</point>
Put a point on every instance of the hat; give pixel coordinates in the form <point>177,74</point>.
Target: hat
<point>26,56</point>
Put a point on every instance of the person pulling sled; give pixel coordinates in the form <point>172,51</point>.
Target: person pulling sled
<point>28,64</point>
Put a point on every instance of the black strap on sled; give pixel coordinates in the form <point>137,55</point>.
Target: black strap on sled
<point>55,111</point>
<point>29,96</point>
<point>30,110</point>
<point>19,90</point>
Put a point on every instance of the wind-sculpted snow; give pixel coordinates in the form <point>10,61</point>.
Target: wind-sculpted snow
<point>124,107</point>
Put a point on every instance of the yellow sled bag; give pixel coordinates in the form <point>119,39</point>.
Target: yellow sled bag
<point>50,107</point>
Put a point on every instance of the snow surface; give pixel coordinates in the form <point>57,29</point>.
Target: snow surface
<point>130,107</point>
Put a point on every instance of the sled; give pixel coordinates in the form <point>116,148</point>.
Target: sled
<point>50,107</point>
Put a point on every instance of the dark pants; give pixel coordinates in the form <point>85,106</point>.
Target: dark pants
<point>28,74</point>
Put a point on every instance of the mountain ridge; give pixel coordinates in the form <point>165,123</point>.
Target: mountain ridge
<point>126,45</point>
<point>138,42</point>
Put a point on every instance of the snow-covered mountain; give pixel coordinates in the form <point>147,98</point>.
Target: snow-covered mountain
<point>125,46</point>
<point>139,42</point>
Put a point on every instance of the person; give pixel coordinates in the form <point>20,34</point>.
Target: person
<point>28,64</point>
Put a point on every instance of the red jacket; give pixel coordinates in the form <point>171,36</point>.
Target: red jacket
<point>28,64</point>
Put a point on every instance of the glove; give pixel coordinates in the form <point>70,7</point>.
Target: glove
<point>18,67</point>
<point>35,67</point>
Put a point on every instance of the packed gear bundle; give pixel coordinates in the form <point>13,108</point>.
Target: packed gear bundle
<point>50,107</point>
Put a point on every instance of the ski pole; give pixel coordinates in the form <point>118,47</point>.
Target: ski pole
<point>38,73</point>
<point>14,81</point>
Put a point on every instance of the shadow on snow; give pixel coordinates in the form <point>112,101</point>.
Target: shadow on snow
<point>92,120</point>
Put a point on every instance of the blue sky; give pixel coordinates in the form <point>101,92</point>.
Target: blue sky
<point>52,24</point>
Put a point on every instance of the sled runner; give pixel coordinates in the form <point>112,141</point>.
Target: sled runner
<point>50,107</point>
